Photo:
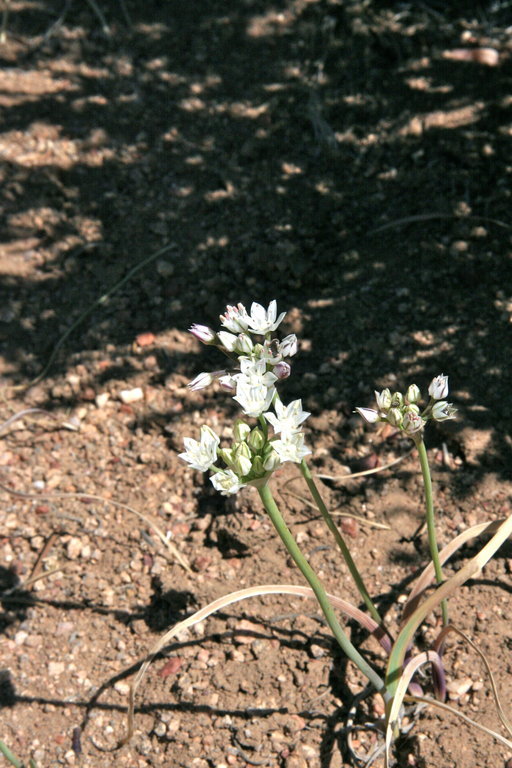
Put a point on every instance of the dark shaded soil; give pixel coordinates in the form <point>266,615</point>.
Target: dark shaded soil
<point>349,159</point>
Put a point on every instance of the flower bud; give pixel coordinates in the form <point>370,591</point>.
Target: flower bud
<point>441,411</point>
<point>412,423</point>
<point>271,460</point>
<point>203,333</point>
<point>438,388</point>
<point>228,340</point>
<point>242,462</point>
<point>244,344</point>
<point>256,440</point>
<point>368,414</point>
<point>413,394</point>
<point>201,381</point>
<point>226,454</point>
<point>397,400</point>
<point>412,408</point>
<point>282,370</point>
<point>257,467</point>
<point>240,431</point>
<point>394,417</point>
<point>383,399</point>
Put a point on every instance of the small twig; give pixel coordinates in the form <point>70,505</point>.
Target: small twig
<point>361,520</point>
<point>352,475</point>
<point>99,13</point>
<point>39,562</point>
<point>165,541</point>
<point>5,16</point>
<point>90,309</point>
<point>429,216</point>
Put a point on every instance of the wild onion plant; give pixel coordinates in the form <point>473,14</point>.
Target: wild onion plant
<point>269,434</point>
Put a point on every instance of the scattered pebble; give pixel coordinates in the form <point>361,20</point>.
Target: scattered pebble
<point>128,396</point>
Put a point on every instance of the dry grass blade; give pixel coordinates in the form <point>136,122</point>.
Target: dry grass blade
<point>362,520</point>
<point>427,576</point>
<point>446,708</point>
<point>442,592</point>
<point>173,550</point>
<point>23,413</point>
<point>438,643</point>
<point>216,605</point>
<point>427,657</point>
<point>430,217</point>
<point>90,309</point>
<point>363,473</point>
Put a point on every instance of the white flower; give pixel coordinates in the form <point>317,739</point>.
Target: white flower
<point>288,418</point>
<point>228,340</point>
<point>288,346</point>
<point>235,319</point>
<point>291,447</point>
<point>441,411</point>
<point>254,373</point>
<point>262,321</point>
<point>201,454</point>
<point>368,414</point>
<point>203,333</point>
<point>253,399</point>
<point>226,482</point>
<point>438,388</point>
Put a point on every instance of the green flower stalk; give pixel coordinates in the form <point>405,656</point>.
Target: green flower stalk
<point>339,541</point>
<point>430,518</point>
<point>403,413</point>
<point>316,585</point>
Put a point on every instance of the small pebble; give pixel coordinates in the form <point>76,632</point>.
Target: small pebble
<point>128,396</point>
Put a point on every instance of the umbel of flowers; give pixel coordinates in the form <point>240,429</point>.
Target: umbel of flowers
<point>258,364</point>
<point>403,411</point>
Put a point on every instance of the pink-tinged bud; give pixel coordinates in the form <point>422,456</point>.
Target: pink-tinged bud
<point>205,379</point>
<point>368,414</point>
<point>412,423</point>
<point>438,388</point>
<point>282,370</point>
<point>200,382</point>
<point>203,333</point>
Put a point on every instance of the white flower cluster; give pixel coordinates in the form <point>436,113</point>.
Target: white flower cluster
<point>253,455</point>
<point>403,411</point>
<point>260,363</point>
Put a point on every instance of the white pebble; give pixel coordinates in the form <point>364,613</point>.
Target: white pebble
<point>131,395</point>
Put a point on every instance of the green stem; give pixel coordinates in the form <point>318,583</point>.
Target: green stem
<point>6,752</point>
<point>431,528</point>
<point>339,541</point>
<point>316,585</point>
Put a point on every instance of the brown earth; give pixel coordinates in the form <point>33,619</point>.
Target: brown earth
<point>349,159</point>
